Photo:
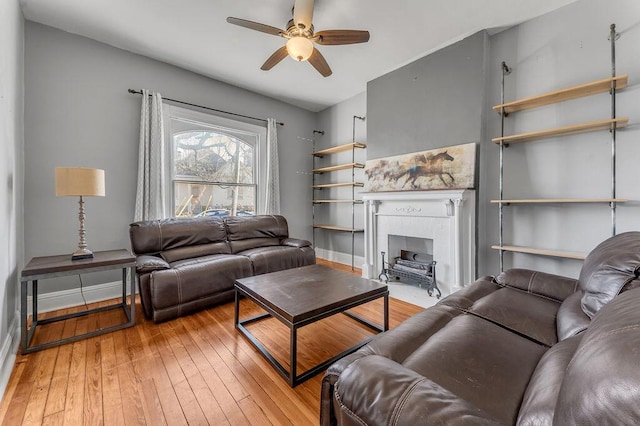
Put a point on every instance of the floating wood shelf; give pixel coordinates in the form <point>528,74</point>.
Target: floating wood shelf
<point>338,167</point>
<point>587,89</point>
<point>339,148</point>
<point>338,228</point>
<point>564,131</point>
<point>335,185</point>
<point>338,201</point>
<point>562,200</point>
<point>543,252</point>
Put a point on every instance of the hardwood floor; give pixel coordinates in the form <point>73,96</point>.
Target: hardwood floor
<point>193,370</point>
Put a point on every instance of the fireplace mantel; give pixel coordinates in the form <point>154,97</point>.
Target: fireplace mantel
<point>446,216</point>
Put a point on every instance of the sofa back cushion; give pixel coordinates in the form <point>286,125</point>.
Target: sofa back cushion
<point>258,231</point>
<point>548,285</point>
<point>179,238</point>
<point>607,269</point>
<point>602,382</point>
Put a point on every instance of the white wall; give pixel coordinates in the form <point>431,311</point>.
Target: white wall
<point>78,113</point>
<point>11,176</point>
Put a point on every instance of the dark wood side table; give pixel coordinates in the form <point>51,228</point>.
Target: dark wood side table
<point>59,266</point>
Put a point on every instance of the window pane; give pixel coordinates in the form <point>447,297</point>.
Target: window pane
<point>198,199</point>
<point>212,157</point>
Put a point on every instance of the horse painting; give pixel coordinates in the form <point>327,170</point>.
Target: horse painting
<point>432,166</point>
<point>440,168</point>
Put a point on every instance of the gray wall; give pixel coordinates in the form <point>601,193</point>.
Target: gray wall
<point>563,48</point>
<point>433,102</point>
<point>78,113</point>
<point>11,174</point>
<point>338,124</point>
<point>445,99</point>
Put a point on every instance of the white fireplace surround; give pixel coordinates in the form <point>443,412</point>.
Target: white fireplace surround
<point>447,217</point>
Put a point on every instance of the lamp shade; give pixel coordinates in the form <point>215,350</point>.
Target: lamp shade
<point>79,181</point>
<point>299,48</point>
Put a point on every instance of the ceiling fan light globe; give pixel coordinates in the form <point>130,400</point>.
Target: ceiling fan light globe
<point>299,48</point>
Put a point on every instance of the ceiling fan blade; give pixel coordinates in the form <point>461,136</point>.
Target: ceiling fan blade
<point>303,13</point>
<point>255,26</point>
<point>319,63</point>
<point>274,59</point>
<point>335,37</point>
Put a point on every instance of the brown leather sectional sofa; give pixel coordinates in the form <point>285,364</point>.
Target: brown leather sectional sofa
<point>524,348</point>
<point>184,265</point>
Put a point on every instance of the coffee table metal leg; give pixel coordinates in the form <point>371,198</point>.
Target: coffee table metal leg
<point>236,309</point>
<point>293,378</point>
<point>23,314</point>
<point>386,312</point>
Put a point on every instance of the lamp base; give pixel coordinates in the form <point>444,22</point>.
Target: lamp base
<point>82,254</point>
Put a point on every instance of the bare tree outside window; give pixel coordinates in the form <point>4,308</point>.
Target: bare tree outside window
<point>214,174</point>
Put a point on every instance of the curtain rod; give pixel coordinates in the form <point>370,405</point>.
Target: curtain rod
<point>139,92</point>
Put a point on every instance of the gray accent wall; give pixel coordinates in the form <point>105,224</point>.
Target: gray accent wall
<point>11,174</point>
<point>432,102</point>
<point>78,113</point>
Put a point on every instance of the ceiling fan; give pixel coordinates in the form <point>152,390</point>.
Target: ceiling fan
<point>301,37</point>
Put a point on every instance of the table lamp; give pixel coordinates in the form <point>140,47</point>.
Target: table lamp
<point>80,182</point>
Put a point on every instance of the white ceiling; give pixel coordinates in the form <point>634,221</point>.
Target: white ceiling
<point>194,35</point>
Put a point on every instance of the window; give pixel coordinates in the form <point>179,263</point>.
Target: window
<point>215,164</point>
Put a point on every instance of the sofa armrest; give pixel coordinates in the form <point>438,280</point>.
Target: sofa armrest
<point>548,285</point>
<point>329,380</point>
<point>294,242</point>
<point>148,263</point>
<point>377,390</point>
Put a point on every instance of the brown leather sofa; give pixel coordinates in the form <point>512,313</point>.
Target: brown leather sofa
<point>184,265</point>
<point>524,348</point>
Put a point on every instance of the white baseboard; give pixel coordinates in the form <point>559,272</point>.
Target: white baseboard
<point>8,352</point>
<point>68,298</point>
<point>338,257</point>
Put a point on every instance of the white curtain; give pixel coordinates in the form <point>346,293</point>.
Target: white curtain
<point>150,191</point>
<point>272,192</point>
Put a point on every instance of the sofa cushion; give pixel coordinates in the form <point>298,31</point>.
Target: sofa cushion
<point>277,258</point>
<point>189,252</point>
<point>539,401</point>
<point>525,313</point>
<point>408,336</point>
<point>192,279</point>
<point>480,362</point>
<point>259,231</point>
<point>607,269</point>
<point>529,314</point>
<point>250,243</point>
<point>155,236</point>
<point>601,385</point>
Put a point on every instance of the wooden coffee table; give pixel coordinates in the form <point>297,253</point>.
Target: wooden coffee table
<point>301,296</point>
